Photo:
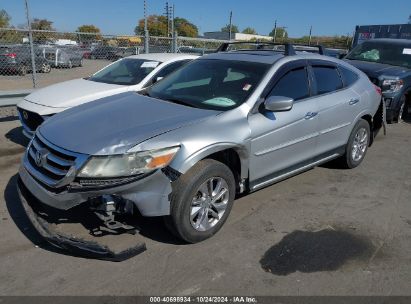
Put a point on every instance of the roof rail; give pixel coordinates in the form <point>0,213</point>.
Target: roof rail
<point>321,48</point>
<point>288,48</point>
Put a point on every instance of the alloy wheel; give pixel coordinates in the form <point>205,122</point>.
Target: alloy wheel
<point>360,144</point>
<point>209,204</point>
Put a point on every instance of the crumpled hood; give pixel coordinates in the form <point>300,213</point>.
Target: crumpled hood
<point>114,124</point>
<point>373,69</point>
<point>71,93</point>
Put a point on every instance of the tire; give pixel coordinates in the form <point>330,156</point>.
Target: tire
<point>360,136</point>
<point>81,62</point>
<point>45,68</point>
<point>22,71</point>
<point>70,64</point>
<point>190,195</point>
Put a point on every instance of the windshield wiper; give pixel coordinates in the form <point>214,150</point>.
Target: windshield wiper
<point>177,101</point>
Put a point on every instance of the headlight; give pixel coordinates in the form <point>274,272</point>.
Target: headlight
<point>392,85</point>
<point>128,164</point>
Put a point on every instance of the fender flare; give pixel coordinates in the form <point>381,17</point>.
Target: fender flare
<point>191,160</point>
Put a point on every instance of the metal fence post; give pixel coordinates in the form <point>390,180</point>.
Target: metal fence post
<point>174,45</point>
<point>33,63</point>
<point>146,40</point>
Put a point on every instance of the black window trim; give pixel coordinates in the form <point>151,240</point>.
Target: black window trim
<point>281,72</point>
<point>339,67</point>
<point>322,63</point>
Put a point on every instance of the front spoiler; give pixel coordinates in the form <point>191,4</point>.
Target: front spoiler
<point>74,245</point>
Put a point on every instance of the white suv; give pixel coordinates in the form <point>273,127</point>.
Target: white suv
<point>132,73</point>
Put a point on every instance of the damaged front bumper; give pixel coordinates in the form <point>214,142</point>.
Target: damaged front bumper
<point>149,194</point>
<point>45,223</point>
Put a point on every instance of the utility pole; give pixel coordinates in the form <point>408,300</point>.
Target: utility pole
<point>310,35</point>
<point>33,64</point>
<point>167,13</point>
<point>172,19</point>
<point>231,25</point>
<point>146,34</point>
<point>275,31</point>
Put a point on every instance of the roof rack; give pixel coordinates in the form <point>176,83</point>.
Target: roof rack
<point>289,48</point>
<point>321,48</point>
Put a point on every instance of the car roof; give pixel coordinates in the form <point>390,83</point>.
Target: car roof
<point>390,40</point>
<point>163,57</point>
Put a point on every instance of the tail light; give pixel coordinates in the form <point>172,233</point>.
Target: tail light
<point>11,55</point>
<point>378,89</point>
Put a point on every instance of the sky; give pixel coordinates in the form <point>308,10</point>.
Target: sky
<point>121,16</point>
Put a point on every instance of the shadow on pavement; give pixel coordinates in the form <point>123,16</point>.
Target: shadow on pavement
<point>16,135</point>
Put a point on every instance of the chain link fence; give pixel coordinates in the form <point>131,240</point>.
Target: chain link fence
<point>60,56</point>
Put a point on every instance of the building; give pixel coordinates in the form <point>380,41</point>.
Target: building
<point>235,36</point>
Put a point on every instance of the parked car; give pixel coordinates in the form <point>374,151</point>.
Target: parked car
<point>104,52</point>
<point>224,124</point>
<point>126,52</point>
<point>63,56</point>
<point>129,74</point>
<point>387,62</point>
<point>17,59</point>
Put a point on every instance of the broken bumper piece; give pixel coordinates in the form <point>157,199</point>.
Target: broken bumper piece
<point>78,241</point>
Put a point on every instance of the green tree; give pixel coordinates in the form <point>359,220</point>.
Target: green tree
<point>249,30</point>
<point>185,28</point>
<point>42,24</point>
<point>4,19</point>
<point>89,28</point>
<point>226,28</point>
<point>157,26</point>
<point>280,33</point>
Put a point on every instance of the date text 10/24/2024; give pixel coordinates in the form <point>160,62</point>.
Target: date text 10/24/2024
<point>206,299</point>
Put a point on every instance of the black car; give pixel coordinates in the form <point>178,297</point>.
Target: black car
<point>104,52</point>
<point>16,59</point>
<point>387,62</point>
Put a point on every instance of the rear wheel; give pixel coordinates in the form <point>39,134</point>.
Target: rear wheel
<point>201,201</point>
<point>45,68</point>
<point>357,145</point>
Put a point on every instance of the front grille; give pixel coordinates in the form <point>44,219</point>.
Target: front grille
<point>50,165</point>
<point>30,119</point>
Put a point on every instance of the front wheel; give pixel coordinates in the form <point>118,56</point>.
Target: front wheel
<point>201,201</point>
<point>357,145</point>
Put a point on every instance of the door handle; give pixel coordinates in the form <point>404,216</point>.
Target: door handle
<point>353,101</point>
<point>310,115</point>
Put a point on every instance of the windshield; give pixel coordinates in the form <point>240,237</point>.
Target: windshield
<point>126,71</point>
<point>211,84</point>
<point>393,54</point>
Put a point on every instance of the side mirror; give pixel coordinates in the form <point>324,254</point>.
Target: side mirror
<point>278,103</point>
<point>342,56</point>
<point>157,79</point>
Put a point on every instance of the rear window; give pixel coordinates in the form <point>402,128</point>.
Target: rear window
<point>327,78</point>
<point>349,76</point>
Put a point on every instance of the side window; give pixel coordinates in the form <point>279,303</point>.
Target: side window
<point>349,76</point>
<point>170,68</point>
<point>327,78</point>
<point>294,84</point>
